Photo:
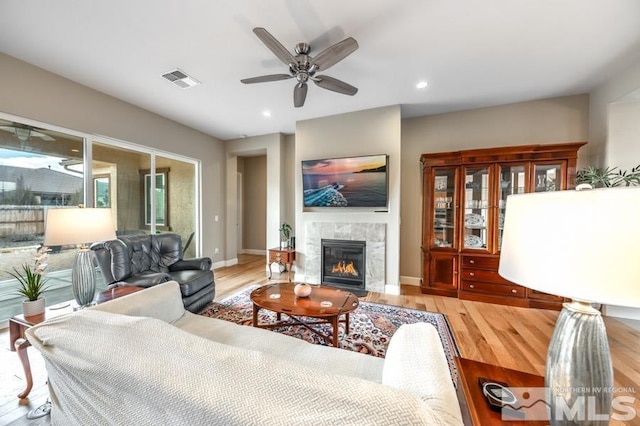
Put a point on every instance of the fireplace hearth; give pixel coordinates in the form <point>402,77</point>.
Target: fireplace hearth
<point>343,265</point>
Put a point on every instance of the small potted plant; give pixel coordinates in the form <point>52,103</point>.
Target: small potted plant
<point>285,233</point>
<point>32,284</point>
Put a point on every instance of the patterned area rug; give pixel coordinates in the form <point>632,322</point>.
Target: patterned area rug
<point>371,325</point>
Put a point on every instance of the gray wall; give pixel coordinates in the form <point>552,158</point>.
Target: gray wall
<point>254,210</point>
<point>375,131</point>
<point>616,140</point>
<point>554,120</point>
<point>36,94</point>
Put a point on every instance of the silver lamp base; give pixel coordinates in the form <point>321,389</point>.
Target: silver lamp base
<point>83,278</point>
<point>579,375</point>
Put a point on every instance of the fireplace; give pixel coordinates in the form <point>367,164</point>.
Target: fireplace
<point>343,265</point>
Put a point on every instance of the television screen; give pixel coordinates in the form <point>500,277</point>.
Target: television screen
<point>345,182</point>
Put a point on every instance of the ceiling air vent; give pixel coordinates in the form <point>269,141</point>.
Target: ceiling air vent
<point>181,79</point>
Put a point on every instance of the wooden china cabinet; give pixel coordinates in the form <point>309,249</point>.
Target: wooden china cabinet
<point>464,201</point>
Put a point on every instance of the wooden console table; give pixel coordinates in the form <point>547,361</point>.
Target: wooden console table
<point>474,407</point>
<point>284,257</point>
<point>19,323</point>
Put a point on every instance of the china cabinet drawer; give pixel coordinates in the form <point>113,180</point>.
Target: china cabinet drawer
<point>483,275</point>
<point>480,262</point>
<point>493,289</point>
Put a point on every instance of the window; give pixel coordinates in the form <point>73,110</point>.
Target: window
<point>101,197</point>
<point>160,188</point>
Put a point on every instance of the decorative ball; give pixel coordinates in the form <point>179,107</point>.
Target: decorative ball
<point>302,290</point>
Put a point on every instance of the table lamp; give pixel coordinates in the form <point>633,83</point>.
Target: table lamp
<point>67,226</point>
<point>582,245</point>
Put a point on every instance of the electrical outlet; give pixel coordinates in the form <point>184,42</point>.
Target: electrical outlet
<point>216,251</point>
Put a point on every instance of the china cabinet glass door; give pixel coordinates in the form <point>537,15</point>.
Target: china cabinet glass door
<point>513,180</point>
<point>444,207</point>
<point>477,205</point>
<point>547,177</point>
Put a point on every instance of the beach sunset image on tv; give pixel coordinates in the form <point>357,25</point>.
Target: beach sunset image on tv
<point>345,182</point>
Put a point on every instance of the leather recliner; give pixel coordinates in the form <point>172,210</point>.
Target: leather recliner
<point>147,260</point>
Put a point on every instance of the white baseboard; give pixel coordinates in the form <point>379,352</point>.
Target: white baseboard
<point>410,280</point>
<point>254,251</point>
<point>224,263</point>
<point>621,312</point>
<point>392,289</point>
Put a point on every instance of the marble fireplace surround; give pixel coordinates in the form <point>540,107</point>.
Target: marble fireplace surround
<point>374,234</point>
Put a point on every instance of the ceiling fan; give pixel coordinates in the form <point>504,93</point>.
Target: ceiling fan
<point>25,133</point>
<point>303,67</point>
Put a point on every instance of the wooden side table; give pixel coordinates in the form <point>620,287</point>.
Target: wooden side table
<point>475,409</point>
<point>20,323</point>
<point>284,257</point>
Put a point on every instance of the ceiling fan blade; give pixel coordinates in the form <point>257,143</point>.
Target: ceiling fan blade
<point>274,45</point>
<point>42,136</point>
<point>335,85</point>
<point>299,94</point>
<point>266,78</point>
<point>334,54</point>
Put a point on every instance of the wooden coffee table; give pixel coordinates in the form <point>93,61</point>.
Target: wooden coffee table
<point>325,304</point>
<point>19,323</point>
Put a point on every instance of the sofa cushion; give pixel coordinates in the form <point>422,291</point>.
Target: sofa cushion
<point>153,253</point>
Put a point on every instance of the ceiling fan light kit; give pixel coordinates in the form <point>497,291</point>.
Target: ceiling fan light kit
<point>304,67</point>
<point>24,133</point>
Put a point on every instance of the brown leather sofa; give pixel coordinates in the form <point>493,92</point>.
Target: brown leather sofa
<point>147,260</point>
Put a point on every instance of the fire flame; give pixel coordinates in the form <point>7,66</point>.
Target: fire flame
<point>344,268</point>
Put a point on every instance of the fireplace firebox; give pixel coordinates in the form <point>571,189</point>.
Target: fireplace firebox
<point>343,265</point>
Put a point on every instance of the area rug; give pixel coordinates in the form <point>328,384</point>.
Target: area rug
<point>371,325</point>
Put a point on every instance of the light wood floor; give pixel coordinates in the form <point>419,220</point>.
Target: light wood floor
<point>516,338</point>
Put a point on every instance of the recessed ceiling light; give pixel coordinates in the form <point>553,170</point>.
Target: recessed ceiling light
<point>422,85</point>
<point>266,113</point>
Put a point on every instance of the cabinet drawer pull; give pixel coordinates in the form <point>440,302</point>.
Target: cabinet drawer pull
<point>472,286</point>
<point>472,274</point>
<point>513,290</point>
<point>472,261</point>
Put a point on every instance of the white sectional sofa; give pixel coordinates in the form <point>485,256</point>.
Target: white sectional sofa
<point>142,359</point>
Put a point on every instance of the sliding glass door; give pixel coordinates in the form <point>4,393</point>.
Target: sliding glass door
<point>43,167</point>
<point>40,169</point>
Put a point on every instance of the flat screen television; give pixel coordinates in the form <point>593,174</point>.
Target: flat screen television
<point>346,182</point>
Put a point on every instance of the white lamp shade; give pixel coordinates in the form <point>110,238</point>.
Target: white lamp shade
<point>78,226</point>
<point>584,245</point>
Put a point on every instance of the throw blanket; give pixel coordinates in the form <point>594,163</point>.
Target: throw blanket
<point>107,368</point>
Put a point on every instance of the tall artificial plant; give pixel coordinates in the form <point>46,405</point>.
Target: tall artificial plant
<point>608,177</point>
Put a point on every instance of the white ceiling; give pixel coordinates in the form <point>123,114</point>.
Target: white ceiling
<point>473,53</point>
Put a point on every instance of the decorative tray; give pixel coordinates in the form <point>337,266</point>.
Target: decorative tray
<point>473,220</point>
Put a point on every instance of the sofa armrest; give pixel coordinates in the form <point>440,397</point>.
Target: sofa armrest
<point>146,280</point>
<point>163,302</point>
<point>201,263</point>
<point>415,362</point>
